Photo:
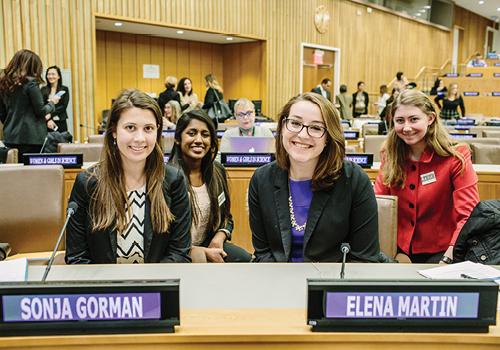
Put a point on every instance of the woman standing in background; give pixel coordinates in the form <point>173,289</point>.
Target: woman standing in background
<point>189,99</point>
<point>450,103</point>
<point>23,111</point>
<point>55,85</point>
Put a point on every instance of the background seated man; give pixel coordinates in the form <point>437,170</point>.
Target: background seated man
<point>324,88</point>
<point>244,111</point>
<point>477,61</point>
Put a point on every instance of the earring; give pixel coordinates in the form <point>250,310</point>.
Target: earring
<point>114,142</point>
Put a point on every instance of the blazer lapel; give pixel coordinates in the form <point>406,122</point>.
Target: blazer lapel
<point>281,202</point>
<point>148,230</point>
<point>318,203</point>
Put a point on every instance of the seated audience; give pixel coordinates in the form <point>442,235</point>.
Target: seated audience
<point>324,88</point>
<point>310,200</point>
<point>131,207</point>
<point>171,113</point>
<point>450,103</point>
<point>439,89</point>
<point>344,102</point>
<point>189,99</point>
<point>433,179</point>
<point>360,101</point>
<point>477,61</point>
<point>194,152</point>
<point>169,93</point>
<point>244,112</point>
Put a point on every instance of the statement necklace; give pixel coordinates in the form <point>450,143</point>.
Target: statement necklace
<point>296,226</point>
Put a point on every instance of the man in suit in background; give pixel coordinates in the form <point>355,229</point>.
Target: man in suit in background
<point>324,88</point>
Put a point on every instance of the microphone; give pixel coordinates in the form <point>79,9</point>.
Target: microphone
<point>4,251</point>
<point>72,207</point>
<point>87,127</point>
<point>344,249</point>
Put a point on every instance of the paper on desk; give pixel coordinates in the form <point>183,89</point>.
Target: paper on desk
<point>15,270</point>
<point>455,271</point>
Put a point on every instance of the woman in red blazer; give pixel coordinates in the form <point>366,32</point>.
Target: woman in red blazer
<point>433,179</point>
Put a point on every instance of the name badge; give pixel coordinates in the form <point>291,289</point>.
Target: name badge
<point>428,178</point>
<point>221,199</point>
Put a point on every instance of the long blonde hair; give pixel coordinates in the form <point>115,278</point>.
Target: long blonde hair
<point>109,202</point>
<point>395,150</point>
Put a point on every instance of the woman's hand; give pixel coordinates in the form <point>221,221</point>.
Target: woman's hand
<point>215,255</point>
<point>51,124</point>
<point>55,99</point>
<point>448,254</point>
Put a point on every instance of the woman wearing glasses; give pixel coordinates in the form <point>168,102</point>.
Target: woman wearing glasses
<point>310,200</point>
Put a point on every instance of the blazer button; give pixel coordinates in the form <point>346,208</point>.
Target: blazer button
<point>412,187</point>
<point>412,206</point>
<point>413,167</point>
<point>475,242</point>
<point>483,257</point>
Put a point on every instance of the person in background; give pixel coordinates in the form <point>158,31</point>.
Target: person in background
<point>382,100</point>
<point>433,179</point>
<point>194,152</point>
<point>324,88</point>
<point>189,99</point>
<point>55,85</point>
<point>171,113</point>
<point>344,102</point>
<point>310,200</point>
<point>244,112</point>
<point>213,95</point>
<point>169,93</point>
<point>477,61</point>
<point>360,101</point>
<point>450,102</point>
<point>23,110</point>
<point>131,207</point>
<point>401,82</point>
<point>439,89</point>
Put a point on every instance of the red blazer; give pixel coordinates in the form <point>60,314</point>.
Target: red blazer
<point>431,215</point>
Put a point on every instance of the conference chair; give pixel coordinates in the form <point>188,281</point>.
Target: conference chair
<point>369,129</point>
<point>387,207</point>
<point>31,207</point>
<point>91,151</point>
<point>491,133</point>
<point>482,140</point>
<point>12,155</point>
<point>485,153</point>
<point>96,138</point>
<point>373,144</point>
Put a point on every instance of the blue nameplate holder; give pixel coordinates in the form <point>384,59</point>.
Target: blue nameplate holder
<point>464,306</point>
<point>471,93</point>
<point>351,135</point>
<point>495,93</point>
<point>246,159</point>
<point>466,121</point>
<point>451,75</point>
<point>496,75</point>
<point>497,64</point>
<point>364,160</point>
<point>463,127</point>
<point>58,308</point>
<point>457,135</point>
<point>475,75</point>
<point>67,160</point>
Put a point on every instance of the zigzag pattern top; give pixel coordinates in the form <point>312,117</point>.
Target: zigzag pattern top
<point>130,242</point>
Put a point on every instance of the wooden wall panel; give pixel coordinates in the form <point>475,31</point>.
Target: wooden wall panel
<point>373,45</point>
<point>474,31</point>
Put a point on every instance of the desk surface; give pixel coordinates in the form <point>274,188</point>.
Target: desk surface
<point>245,306</point>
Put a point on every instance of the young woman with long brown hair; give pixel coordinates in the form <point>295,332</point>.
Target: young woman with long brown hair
<point>433,179</point>
<point>131,207</point>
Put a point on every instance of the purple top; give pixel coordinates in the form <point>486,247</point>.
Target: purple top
<point>301,193</point>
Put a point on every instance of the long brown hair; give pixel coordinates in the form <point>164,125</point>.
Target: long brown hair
<point>109,202</point>
<point>395,151</point>
<point>213,83</point>
<point>24,64</point>
<point>330,163</point>
<point>213,176</point>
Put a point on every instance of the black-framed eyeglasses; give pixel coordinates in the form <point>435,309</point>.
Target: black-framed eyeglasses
<point>242,115</point>
<point>296,126</point>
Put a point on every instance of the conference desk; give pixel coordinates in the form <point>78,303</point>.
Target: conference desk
<point>245,306</point>
<point>239,179</point>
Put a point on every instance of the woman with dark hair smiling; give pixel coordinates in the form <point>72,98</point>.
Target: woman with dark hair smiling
<point>194,151</point>
<point>310,200</point>
<point>189,99</point>
<point>131,207</point>
<point>55,86</point>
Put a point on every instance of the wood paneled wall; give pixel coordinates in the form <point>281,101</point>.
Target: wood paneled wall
<point>474,31</point>
<point>373,45</point>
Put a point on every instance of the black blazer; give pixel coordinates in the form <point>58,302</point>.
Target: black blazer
<point>23,115</point>
<point>168,95</point>
<point>211,97</point>
<point>86,247</point>
<point>354,102</point>
<point>347,212</point>
<point>61,107</point>
<point>318,91</point>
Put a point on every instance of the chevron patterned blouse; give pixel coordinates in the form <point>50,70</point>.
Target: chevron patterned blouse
<point>130,243</point>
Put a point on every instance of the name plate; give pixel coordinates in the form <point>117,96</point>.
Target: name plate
<point>405,306</point>
<point>351,135</point>
<point>497,64</point>
<point>92,308</point>
<point>463,127</point>
<point>451,75</point>
<point>495,93</point>
<point>496,75</point>
<point>67,160</point>
<point>475,75</point>
<point>471,93</point>
<point>364,160</point>
<point>246,159</point>
<point>458,135</point>
<point>466,121</point>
